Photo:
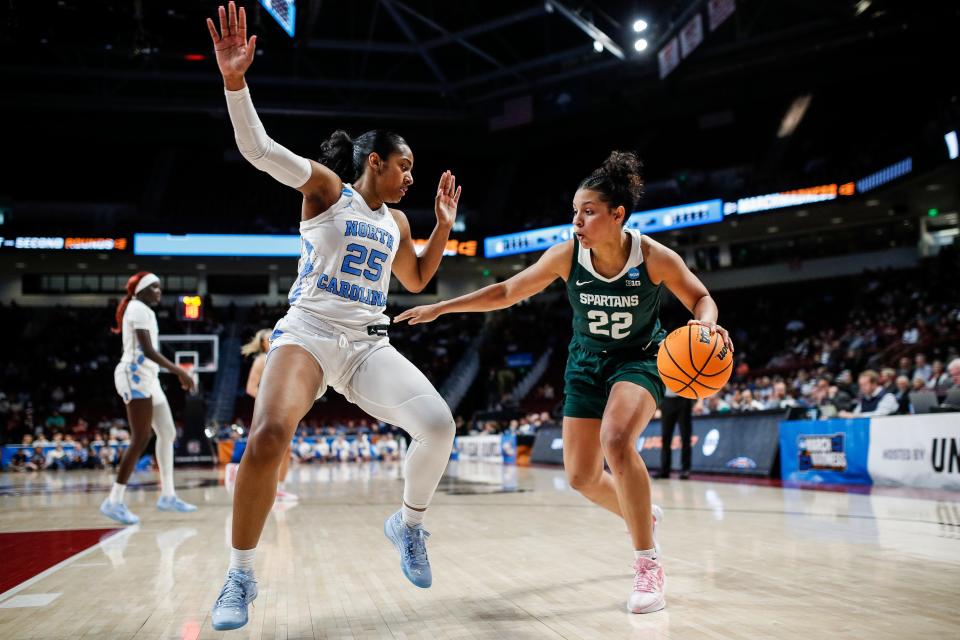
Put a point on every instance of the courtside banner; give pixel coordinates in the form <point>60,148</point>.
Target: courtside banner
<point>825,451</point>
<point>916,451</point>
<point>548,447</point>
<point>744,444</point>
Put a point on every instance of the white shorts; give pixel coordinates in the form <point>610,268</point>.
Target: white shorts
<point>338,349</point>
<point>134,381</point>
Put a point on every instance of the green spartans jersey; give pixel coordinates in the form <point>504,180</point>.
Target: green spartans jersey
<point>614,313</point>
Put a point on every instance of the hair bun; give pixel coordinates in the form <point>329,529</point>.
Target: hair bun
<point>623,167</point>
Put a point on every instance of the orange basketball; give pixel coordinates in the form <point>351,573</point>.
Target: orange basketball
<point>693,363</point>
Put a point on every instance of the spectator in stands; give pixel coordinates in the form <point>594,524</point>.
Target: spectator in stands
<point>749,403</point>
<point>55,421</point>
<point>844,382</point>
<point>911,335</point>
<point>93,458</point>
<point>954,370</point>
<point>904,368</point>
<point>36,462</point>
<point>388,447</point>
<point>939,380</point>
<point>321,449</point>
<point>107,456</point>
<point>304,451</point>
<point>19,460</point>
<point>874,401</point>
<point>922,368</point>
<point>902,394</point>
<point>780,399</point>
<point>918,384</point>
<point>888,379</point>
<point>340,449</point>
<point>362,448</point>
<point>715,404</point>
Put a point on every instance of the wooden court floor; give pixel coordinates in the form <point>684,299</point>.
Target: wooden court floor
<point>515,554</point>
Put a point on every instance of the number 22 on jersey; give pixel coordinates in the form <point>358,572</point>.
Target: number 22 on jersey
<point>619,323</point>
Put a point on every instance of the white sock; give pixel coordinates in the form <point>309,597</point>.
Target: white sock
<point>412,517</point>
<point>116,493</point>
<point>650,554</point>
<point>242,559</point>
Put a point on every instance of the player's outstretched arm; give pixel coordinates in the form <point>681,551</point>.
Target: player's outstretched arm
<point>553,264</point>
<point>235,52</point>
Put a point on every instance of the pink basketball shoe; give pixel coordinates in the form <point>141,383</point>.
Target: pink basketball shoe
<point>648,587</point>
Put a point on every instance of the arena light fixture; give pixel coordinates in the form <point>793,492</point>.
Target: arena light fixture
<point>641,45</point>
<point>639,26</point>
<point>793,116</point>
<point>953,148</point>
<point>597,46</point>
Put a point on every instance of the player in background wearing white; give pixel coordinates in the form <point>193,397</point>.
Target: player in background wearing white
<point>136,381</point>
<point>258,347</point>
<point>335,330</point>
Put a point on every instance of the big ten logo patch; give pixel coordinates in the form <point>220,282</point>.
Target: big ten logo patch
<point>633,278</point>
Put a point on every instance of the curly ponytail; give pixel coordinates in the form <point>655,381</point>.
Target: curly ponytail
<point>347,157</point>
<point>336,152</point>
<point>131,291</point>
<point>617,180</point>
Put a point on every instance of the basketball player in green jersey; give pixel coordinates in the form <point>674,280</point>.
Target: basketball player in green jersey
<point>614,280</point>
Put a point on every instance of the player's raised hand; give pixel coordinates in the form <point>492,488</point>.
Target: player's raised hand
<point>419,315</point>
<point>448,195</point>
<point>234,51</point>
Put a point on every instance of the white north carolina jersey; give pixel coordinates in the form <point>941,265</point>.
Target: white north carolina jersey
<point>138,315</point>
<point>345,258</point>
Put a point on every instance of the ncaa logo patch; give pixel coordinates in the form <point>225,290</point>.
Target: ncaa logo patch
<point>633,274</point>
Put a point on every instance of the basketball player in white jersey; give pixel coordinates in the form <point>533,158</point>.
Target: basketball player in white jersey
<point>136,381</point>
<point>258,347</point>
<point>335,330</point>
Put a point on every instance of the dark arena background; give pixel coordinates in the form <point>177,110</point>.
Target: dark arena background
<point>801,159</point>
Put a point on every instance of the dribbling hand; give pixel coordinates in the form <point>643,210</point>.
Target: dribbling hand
<point>715,328</point>
<point>419,315</point>
<point>234,52</point>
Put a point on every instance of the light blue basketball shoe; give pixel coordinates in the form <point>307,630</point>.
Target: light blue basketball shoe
<point>230,609</point>
<point>173,503</point>
<point>411,542</point>
<point>118,512</point>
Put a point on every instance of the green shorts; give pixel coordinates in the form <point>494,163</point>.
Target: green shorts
<point>590,376</point>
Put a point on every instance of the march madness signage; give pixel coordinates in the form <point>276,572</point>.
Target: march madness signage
<point>917,451</point>
<point>828,451</point>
